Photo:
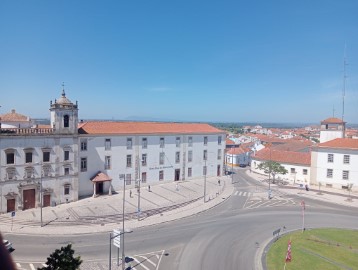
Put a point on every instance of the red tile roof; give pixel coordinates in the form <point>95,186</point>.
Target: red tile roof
<point>98,127</point>
<point>100,177</point>
<point>229,142</point>
<point>13,116</point>
<point>301,158</point>
<point>238,151</point>
<point>340,143</point>
<point>332,120</point>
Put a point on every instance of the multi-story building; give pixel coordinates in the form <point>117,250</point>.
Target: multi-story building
<point>69,159</point>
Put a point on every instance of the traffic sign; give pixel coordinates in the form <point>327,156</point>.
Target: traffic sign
<point>116,238</point>
<point>12,213</point>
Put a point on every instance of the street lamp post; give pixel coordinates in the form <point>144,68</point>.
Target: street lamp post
<point>205,181</point>
<point>41,195</point>
<point>232,168</point>
<point>123,256</point>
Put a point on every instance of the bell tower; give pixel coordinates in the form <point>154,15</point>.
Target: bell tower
<point>64,115</point>
<point>332,128</point>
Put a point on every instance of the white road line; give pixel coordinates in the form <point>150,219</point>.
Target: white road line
<point>244,193</point>
<point>157,256</point>
<point>147,260</point>
<point>236,193</point>
<point>139,263</point>
<point>32,266</point>
<point>240,193</point>
<point>18,265</point>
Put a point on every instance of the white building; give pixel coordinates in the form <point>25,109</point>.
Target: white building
<point>68,160</point>
<point>332,128</point>
<point>335,163</point>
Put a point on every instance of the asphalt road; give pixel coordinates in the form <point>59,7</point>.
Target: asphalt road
<point>228,236</point>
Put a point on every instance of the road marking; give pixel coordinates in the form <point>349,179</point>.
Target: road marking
<point>139,263</point>
<point>147,260</point>
<point>18,265</point>
<point>32,266</point>
<point>236,193</point>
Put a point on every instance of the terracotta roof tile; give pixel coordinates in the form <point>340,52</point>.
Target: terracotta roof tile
<point>340,143</point>
<point>332,120</point>
<point>13,116</point>
<point>100,177</point>
<point>104,127</point>
<point>283,156</point>
<point>238,151</point>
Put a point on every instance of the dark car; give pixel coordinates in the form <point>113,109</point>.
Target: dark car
<point>243,165</point>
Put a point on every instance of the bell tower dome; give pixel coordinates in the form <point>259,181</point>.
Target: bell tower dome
<point>64,115</point>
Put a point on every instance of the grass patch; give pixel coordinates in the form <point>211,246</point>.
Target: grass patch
<point>316,249</point>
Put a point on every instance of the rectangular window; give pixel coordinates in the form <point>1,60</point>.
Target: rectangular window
<point>83,145</point>
<point>66,189</point>
<point>129,143</point>
<point>189,172</point>
<point>190,156</point>
<point>177,157</point>
<point>144,143</point>
<point>107,162</point>
<point>205,140</point>
<point>10,158</point>
<point>28,157</point>
<point>161,175</point>
<point>66,155</point>
<point>66,171</point>
<point>144,177</point>
<point>46,156</point>
<point>204,170</point>
<point>177,142</point>
<point>144,159</point>
<point>345,175</point>
<point>161,142</point>
<point>219,140</point>
<point>128,179</point>
<point>293,170</point>
<point>346,159</point>
<point>107,144</point>
<point>205,155</point>
<point>83,164</point>
<point>190,141</point>
<point>304,171</point>
<point>161,158</point>
<point>219,154</point>
<point>129,160</point>
<point>330,158</point>
<point>329,173</point>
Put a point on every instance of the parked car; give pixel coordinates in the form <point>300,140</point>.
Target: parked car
<point>242,165</point>
<point>8,245</point>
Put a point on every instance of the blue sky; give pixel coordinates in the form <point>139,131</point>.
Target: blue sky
<point>232,61</point>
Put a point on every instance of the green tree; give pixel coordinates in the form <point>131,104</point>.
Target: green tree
<point>272,168</point>
<point>62,259</point>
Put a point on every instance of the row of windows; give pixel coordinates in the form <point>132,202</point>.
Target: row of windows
<point>107,159</point>
<point>345,174</point>
<point>107,143</point>
<point>29,172</point>
<point>346,158</point>
<point>304,171</point>
<point>10,156</point>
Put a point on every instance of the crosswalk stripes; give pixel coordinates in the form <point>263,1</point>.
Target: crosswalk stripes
<point>243,193</point>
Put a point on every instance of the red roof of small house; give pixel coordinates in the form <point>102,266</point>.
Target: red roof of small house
<point>301,158</point>
<point>13,116</point>
<point>332,120</point>
<point>101,177</point>
<point>340,143</point>
<point>238,151</point>
<point>108,127</point>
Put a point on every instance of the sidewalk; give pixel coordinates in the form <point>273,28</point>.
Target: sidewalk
<point>164,202</point>
<point>337,196</point>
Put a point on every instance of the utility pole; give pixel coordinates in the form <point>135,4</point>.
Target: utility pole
<point>139,180</point>
<point>205,180</point>
<point>232,168</point>
<point>124,194</point>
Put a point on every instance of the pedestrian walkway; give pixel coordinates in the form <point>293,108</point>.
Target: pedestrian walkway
<point>165,201</point>
<point>337,196</point>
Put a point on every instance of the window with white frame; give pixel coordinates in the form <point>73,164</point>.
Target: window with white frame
<point>177,157</point>
<point>161,142</point>
<point>128,179</point>
<point>144,177</point>
<point>28,157</point>
<point>329,173</point>
<point>10,156</point>
<point>190,141</point>
<point>293,170</point>
<point>190,156</point>
<point>161,158</point>
<point>129,143</point>
<point>129,160</point>
<point>107,144</point>
<point>144,143</point>
<point>219,140</point>
<point>190,171</point>
<point>46,156</point>
<point>84,145</point>
<point>330,158</point>
<point>304,171</point>
<point>83,164</point>
<point>107,162</point>
<point>345,175</point>
<point>144,159</point>
<point>66,189</point>
<point>177,141</point>
<point>219,154</point>
<point>66,155</point>
<point>66,170</point>
<point>161,175</point>
<point>346,159</point>
<point>205,140</point>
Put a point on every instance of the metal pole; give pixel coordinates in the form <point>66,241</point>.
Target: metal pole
<point>124,194</point>
<point>139,180</point>
<point>205,182</point>
<point>110,251</point>
<point>41,195</point>
<point>232,168</point>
